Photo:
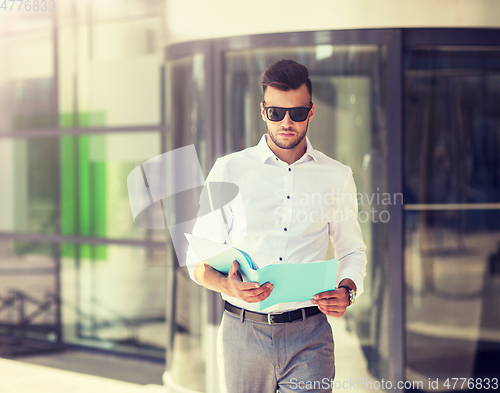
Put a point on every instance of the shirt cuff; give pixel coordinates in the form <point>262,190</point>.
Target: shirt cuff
<point>354,268</point>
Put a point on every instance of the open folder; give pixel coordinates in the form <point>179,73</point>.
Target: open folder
<point>293,282</point>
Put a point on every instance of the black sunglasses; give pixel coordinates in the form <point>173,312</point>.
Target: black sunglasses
<point>298,114</point>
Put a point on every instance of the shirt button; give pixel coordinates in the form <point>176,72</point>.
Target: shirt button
<point>289,169</point>
<point>276,158</point>
<point>288,196</point>
<point>281,259</point>
<point>285,229</point>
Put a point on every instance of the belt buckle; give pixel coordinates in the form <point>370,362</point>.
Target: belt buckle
<point>270,322</point>
<point>269,319</point>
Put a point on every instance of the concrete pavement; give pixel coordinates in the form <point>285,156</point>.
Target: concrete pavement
<point>20,377</point>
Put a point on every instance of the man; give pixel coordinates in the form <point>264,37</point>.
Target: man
<point>292,200</point>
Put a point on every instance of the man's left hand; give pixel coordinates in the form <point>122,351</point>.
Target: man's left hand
<point>332,303</point>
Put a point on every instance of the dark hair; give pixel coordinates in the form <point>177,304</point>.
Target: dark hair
<point>286,75</point>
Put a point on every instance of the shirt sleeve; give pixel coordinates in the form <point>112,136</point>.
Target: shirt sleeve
<point>214,225</point>
<point>347,239</point>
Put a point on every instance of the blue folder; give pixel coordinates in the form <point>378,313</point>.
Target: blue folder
<point>292,282</point>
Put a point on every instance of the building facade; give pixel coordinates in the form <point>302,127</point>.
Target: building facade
<point>405,96</point>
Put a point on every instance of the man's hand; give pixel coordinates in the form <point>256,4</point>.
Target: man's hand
<point>251,292</point>
<point>332,303</point>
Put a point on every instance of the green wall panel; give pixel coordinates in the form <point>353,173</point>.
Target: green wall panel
<point>83,186</point>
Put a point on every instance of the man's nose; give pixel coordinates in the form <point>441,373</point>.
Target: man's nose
<point>287,121</point>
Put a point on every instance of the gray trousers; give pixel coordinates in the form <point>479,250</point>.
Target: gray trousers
<point>289,357</point>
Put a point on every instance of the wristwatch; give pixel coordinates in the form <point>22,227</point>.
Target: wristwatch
<point>351,293</point>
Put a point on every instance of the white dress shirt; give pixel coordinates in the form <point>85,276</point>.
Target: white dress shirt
<point>287,214</point>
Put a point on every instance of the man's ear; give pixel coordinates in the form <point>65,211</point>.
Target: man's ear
<point>311,112</point>
<point>262,111</point>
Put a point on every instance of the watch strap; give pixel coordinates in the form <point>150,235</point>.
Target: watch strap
<point>350,292</point>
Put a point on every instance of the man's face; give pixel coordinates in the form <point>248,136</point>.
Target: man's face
<point>287,134</point>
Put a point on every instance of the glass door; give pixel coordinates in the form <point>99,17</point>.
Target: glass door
<point>350,125</point>
<point>452,215</point>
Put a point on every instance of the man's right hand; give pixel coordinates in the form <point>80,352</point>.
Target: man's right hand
<point>250,292</point>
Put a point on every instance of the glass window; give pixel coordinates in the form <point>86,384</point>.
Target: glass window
<point>27,97</point>
<point>109,71</point>
<point>29,183</point>
<point>94,194</point>
<point>18,18</point>
<point>452,191</point>
<point>108,74</point>
<point>92,188</point>
<point>28,293</point>
<point>350,126</point>
<point>113,297</point>
<point>121,79</point>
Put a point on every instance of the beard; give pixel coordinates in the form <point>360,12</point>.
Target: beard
<point>287,145</point>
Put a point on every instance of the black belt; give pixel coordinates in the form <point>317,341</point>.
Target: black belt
<point>284,317</point>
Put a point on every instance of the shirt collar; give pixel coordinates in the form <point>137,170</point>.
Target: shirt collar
<point>265,152</point>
